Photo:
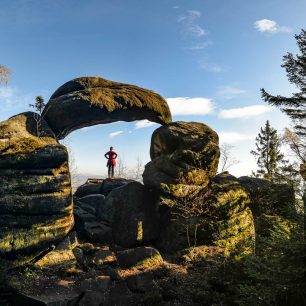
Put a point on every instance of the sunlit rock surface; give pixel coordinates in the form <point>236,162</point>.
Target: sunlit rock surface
<point>35,189</point>
<point>182,153</point>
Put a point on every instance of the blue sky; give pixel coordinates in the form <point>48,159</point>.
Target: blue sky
<point>209,58</point>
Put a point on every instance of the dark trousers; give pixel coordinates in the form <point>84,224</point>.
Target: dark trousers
<point>111,170</point>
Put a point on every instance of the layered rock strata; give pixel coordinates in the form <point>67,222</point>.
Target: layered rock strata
<point>35,189</point>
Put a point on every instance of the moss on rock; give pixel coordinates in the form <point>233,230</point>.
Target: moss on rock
<point>226,196</point>
<point>87,101</point>
<point>182,153</point>
<point>35,187</point>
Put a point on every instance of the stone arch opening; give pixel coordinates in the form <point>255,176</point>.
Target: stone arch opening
<point>33,163</point>
<point>37,207</point>
<point>87,146</point>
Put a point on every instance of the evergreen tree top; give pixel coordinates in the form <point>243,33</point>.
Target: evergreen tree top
<point>295,106</point>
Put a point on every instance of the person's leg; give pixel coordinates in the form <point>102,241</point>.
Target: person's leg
<point>109,171</point>
<point>113,170</point>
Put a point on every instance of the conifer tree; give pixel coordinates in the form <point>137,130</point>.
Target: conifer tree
<point>39,104</point>
<point>295,106</point>
<point>39,107</point>
<point>267,152</point>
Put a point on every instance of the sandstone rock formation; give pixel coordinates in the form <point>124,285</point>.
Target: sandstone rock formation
<point>88,101</point>
<point>136,218</point>
<point>197,207</point>
<point>182,203</point>
<point>139,256</point>
<point>269,198</point>
<point>110,184</point>
<point>218,215</point>
<point>87,188</point>
<point>35,191</point>
<point>183,154</point>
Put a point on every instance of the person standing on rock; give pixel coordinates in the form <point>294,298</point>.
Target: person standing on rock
<point>111,155</point>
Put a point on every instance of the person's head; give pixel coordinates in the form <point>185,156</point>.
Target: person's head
<point>111,148</point>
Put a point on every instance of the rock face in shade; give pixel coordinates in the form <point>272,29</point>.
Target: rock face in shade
<point>35,189</point>
<point>269,198</point>
<point>135,217</point>
<point>87,189</point>
<point>110,184</point>
<point>87,101</point>
<point>182,148</point>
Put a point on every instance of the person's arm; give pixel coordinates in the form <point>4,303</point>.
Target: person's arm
<point>106,155</point>
<point>115,155</point>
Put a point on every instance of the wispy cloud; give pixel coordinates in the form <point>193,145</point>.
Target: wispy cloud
<point>175,7</point>
<point>88,128</point>
<point>193,32</point>
<point>233,137</point>
<point>114,134</point>
<point>244,112</point>
<point>229,92</point>
<point>270,26</point>
<point>185,106</point>
<point>190,25</point>
<point>144,124</point>
<point>210,67</point>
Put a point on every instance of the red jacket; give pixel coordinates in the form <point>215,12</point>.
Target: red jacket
<point>111,156</point>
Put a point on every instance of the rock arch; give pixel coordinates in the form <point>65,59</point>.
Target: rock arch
<point>35,188</point>
<point>89,101</point>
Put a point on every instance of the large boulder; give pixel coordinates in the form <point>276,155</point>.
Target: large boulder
<point>35,189</point>
<point>269,198</point>
<point>61,257</point>
<point>184,153</point>
<point>87,101</point>
<point>87,189</point>
<point>135,219</point>
<point>93,201</point>
<point>225,197</point>
<point>140,256</point>
<point>110,184</point>
<point>218,215</point>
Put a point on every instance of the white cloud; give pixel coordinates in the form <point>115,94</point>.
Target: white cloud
<point>270,26</point>
<point>114,134</point>
<point>229,92</point>
<point>244,112</point>
<point>176,7</point>
<point>144,124</point>
<point>233,137</point>
<point>88,128</point>
<point>185,106</point>
<point>189,22</point>
<point>210,67</point>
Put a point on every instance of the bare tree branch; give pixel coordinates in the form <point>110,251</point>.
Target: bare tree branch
<point>227,160</point>
<point>5,74</point>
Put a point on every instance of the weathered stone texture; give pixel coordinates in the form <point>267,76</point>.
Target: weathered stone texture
<point>35,189</point>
